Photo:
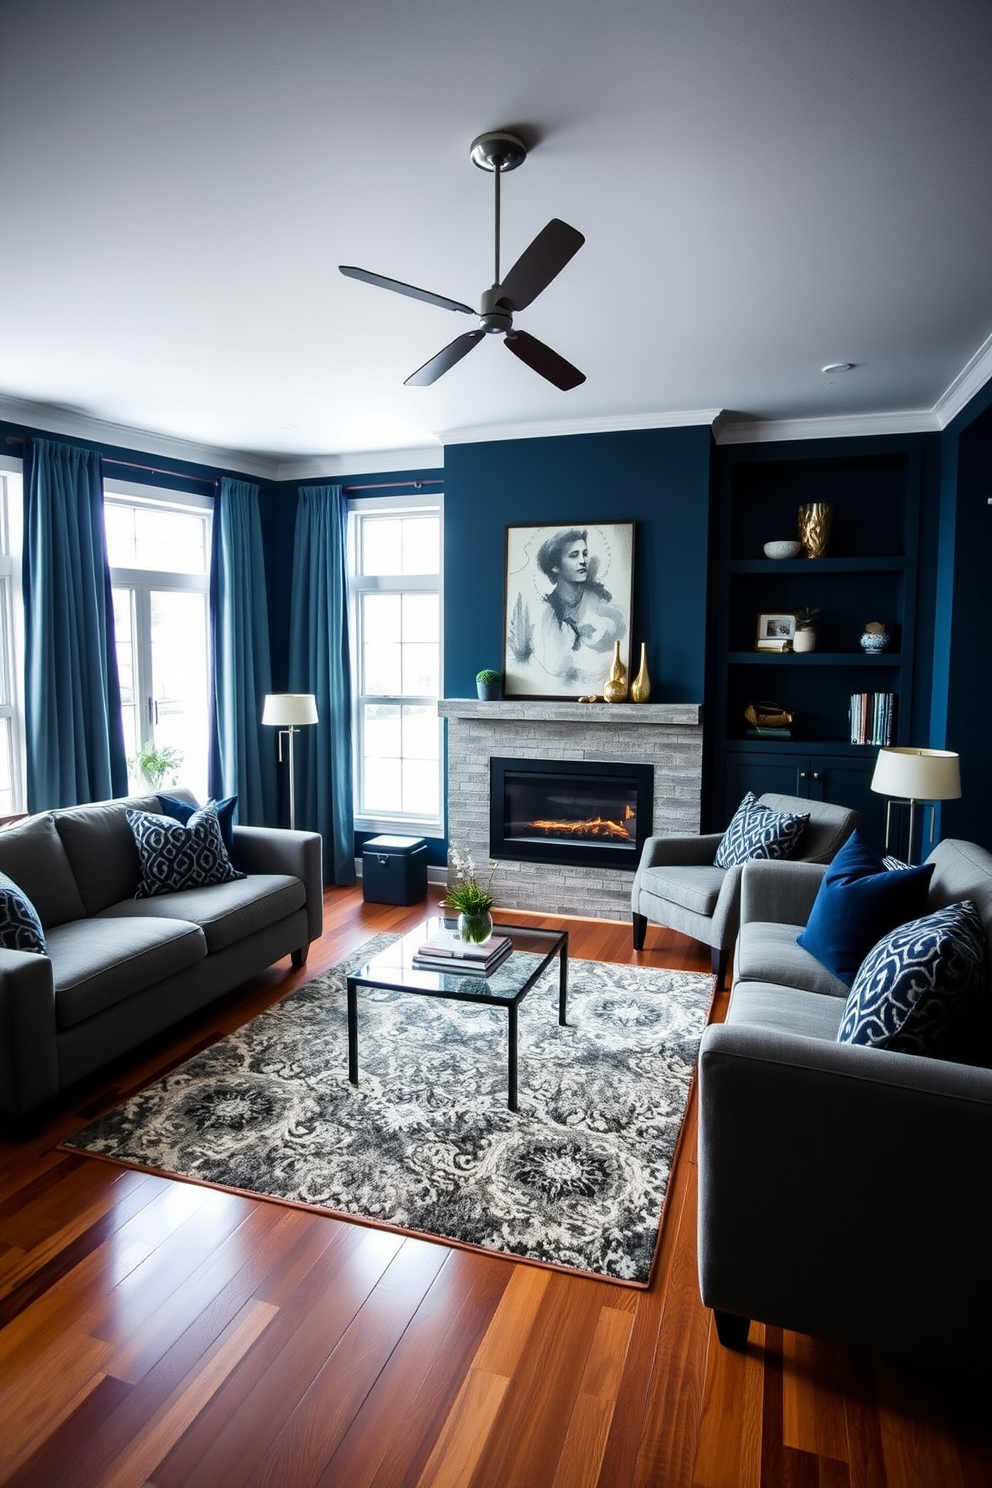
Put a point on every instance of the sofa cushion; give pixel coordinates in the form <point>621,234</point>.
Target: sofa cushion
<point>20,927</point>
<point>769,952</point>
<point>97,963</point>
<point>858,901</point>
<point>694,887</point>
<point>32,854</point>
<point>226,912</point>
<point>920,988</point>
<point>181,811</point>
<point>101,850</point>
<point>174,856</point>
<point>758,832</point>
<point>785,1010</point>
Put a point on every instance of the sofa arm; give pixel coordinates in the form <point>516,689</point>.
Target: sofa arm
<point>29,1065</point>
<point>279,850</point>
<point>682,852</point>
<point>843,1193</point>
<point>779,890</point>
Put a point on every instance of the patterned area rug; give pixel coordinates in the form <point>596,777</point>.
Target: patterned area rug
<point>576,1178</point>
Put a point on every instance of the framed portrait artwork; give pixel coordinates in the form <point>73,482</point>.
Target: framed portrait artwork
<point>567,601</point>
<point>776,631</point>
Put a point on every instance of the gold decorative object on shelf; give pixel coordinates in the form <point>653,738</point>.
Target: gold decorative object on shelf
<point>615,690</point>
<point>814,528</point>
<point>640,688</point>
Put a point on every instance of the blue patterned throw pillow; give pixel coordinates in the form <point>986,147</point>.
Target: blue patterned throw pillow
<point>759,832</point>
<point>919,988</point>
<point>20,927</point>
<point>176,855</point>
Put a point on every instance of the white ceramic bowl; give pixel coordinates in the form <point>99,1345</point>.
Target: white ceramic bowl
<point>783,549</point>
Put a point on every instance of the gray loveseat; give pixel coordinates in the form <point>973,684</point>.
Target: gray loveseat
<point>120,969</point>
<point>843,1190</point>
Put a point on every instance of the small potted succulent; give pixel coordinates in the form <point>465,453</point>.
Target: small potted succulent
<point>805,636</point>
<point>487,684</point>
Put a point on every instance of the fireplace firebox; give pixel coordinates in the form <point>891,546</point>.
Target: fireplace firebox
<point>580,812</point>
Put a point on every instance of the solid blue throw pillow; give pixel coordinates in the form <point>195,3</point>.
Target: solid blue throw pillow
<point>181,811</point>
<point>919,989</point>
<point>860,900</point>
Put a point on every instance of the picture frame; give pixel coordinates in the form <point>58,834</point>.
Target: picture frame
<point>776,630</point>
<point>567,601</point>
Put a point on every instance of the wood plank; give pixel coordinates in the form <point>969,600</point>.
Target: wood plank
<point>585,1440</point>
<point>39,1397</point>
<point>463,1441</point>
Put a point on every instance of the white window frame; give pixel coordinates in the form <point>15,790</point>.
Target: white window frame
<point>141,581</point>
<point>12,622</point>
<point>400,505</point>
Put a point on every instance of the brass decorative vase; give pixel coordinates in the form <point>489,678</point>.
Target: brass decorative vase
<point>615,690</point>
<point>814,528</point>
<point>640,688</point>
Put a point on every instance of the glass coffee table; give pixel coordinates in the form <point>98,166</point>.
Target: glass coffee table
<point>506,987</point>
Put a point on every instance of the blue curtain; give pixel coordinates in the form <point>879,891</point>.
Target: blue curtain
<point>319,662</point>
<point>240,764</point>
<point>75,737</point>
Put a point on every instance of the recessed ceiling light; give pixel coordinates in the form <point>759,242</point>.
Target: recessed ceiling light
<point>837,367</point>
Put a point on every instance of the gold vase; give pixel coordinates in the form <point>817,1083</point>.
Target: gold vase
<point>640,688</point>
<point>814,528</point>
<point>615,690</point>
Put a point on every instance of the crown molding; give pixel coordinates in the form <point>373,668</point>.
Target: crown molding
<point>970,380</point>
<point>848,426</point>
<point>558,428</point>
<point>367,462</point>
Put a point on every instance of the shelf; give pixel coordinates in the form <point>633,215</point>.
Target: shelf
<point>738,743</point>
<point>814,658</point>
<point>828,566</point>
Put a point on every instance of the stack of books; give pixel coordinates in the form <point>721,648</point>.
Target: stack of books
<point>446,952</point>
<point>872,717</point>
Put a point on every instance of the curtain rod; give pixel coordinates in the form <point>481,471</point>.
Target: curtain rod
<point>394,485</point>
<point>208,480</point>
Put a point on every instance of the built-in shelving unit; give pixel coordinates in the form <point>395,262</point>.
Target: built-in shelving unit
<point>869,573</point>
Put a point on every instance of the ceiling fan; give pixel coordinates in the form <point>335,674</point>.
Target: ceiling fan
<point>533,272</point>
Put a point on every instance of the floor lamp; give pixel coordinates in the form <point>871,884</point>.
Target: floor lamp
<point>912,776</point>
<point>288,712</point>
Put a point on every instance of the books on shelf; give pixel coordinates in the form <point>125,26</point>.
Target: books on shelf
<point>872,717</point>
<point>446,952</point>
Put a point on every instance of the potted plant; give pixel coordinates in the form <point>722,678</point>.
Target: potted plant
<point>469,901</point>
<point>487,684</point>
<point>152,764</point>
<point>805,636</point>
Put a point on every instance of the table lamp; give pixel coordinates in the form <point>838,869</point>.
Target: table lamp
<point>288,712</point>
<point>910,776</point>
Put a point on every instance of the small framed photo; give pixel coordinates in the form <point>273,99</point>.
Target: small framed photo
<point>776,631</point>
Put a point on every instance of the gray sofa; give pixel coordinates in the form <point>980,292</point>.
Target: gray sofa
<point>120,969</point>
<point>843,1190</point>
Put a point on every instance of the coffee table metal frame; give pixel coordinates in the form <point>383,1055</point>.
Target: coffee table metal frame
<point>393,970</point>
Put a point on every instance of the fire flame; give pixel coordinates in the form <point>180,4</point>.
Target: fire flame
<point>593,826</point>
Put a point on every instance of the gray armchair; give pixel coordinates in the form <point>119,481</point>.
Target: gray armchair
<point>678,885</point>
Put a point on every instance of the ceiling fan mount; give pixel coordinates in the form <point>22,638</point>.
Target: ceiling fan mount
<point>498,151</point>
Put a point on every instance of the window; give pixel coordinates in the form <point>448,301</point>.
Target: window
<point>12,795</point>
<point>395,562</point>
<point>158,547</point>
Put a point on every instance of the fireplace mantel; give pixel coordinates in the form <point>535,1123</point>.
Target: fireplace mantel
<point>554,710</point>
<point>668,736</point>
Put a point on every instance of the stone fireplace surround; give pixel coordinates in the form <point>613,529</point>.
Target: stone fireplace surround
<point>668,736</point>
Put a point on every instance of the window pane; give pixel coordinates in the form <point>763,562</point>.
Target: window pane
<point>383,670</point>
<point>6,769</point>
<point>382,545</point>
<point>124,630</point>
<point>149,537</point>
<point>421,791</point>
<point>421,736</point>
<point>421,545</point>
<point>421,614</point>
<point>382,731</point>
<point>179,682</point>
<point>420,671</point>
<point>383,785</point>
<point>382,617</point>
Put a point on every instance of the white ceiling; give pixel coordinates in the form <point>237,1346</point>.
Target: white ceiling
<point>764,186</point>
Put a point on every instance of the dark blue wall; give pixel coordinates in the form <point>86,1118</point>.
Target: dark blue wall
<point>657,478</point>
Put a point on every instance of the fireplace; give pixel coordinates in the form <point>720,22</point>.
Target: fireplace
<point>579,812</point>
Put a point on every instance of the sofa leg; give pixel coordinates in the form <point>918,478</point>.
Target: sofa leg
<point>299,958</point>
<point>732,1330</point>
<point>720,960</point>
<point>640,930</point>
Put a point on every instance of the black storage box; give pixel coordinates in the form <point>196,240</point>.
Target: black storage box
<point>394,870</point>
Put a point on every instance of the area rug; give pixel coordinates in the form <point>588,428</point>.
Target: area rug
<point>575,1178</point>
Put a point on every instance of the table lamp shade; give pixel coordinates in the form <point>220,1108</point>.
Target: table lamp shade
<point>918,774</point>
<point>289,709</point>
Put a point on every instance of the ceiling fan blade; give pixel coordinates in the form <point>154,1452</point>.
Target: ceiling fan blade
<point>538,264</point>
<point>399,287</point>
<point>543,360</point>
<point>444,361</point>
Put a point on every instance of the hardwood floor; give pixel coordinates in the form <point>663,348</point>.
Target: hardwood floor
<point>158,1333</point>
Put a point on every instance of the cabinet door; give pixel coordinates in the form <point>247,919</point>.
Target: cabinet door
<point>760,772</point>
<point>846,781</point>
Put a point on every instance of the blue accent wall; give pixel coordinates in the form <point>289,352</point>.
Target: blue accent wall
<point>656,478</point>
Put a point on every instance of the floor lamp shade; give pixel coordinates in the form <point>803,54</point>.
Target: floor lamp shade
<point>914,775</point>
<point>288,712</point>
